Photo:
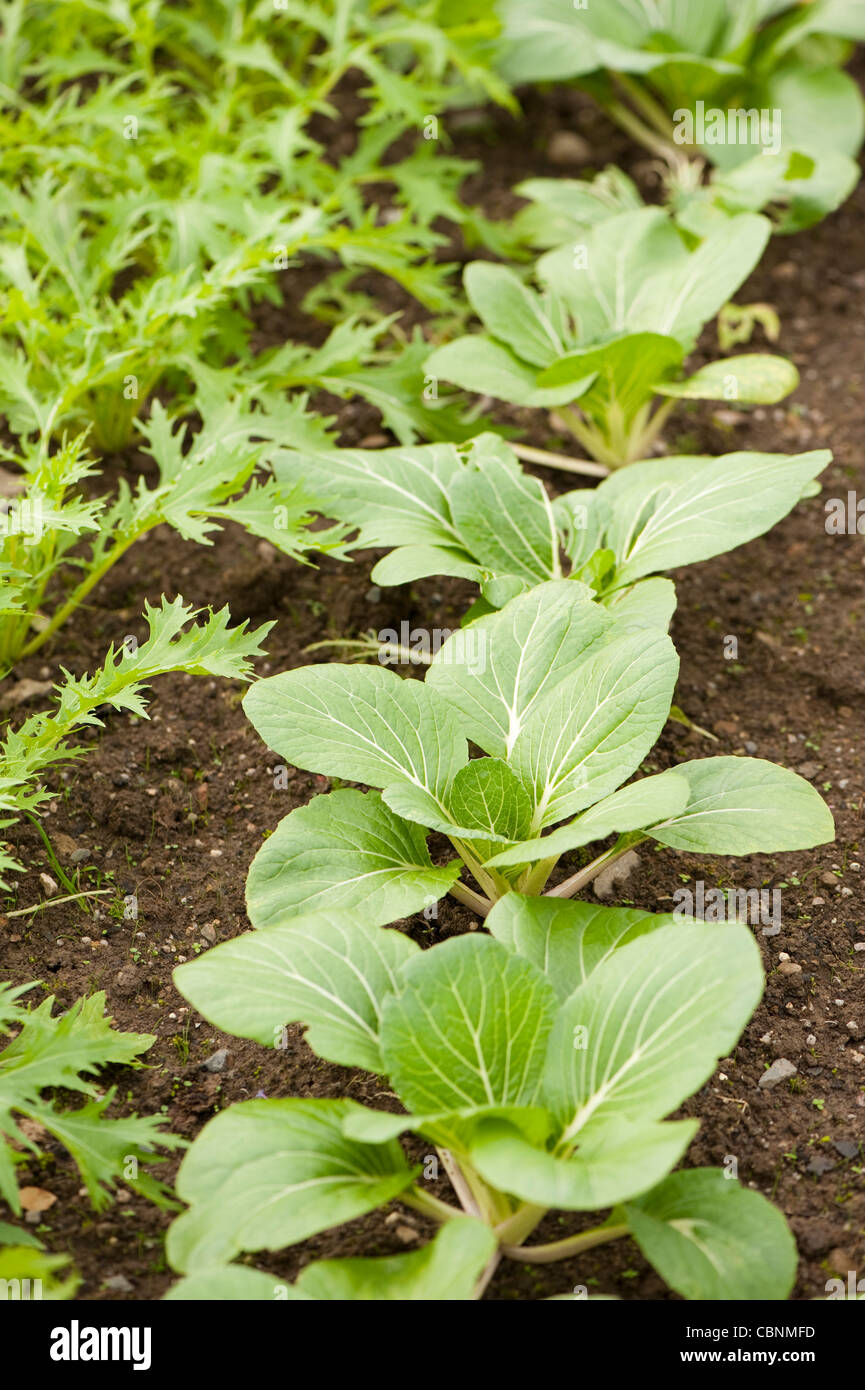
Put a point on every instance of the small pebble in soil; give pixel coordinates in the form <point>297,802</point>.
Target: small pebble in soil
<point>847,1148</point>
<point>810,1041</point>
<point>616,874</point>
<point>821,1164</point>
<point>781,1070</point>
<point>217,1061</point>
<point>789,967</point>
<point>118,1283</point>
<point>373,594</point>
<point>566,147</point>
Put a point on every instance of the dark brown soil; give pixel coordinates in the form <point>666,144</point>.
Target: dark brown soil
<point>173,809</point>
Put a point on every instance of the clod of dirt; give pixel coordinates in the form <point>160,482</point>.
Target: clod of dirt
<point>781,1070</point>
<point>126,980</point>
<point>615,875</point>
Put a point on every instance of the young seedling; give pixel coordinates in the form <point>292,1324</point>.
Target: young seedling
<point>609,330</point>
<point>219,475</point>
<point>565,700</point>
<point>57,1052</point>
<point>538,1064</point>
<point>174,643</point>
<point>473,513</point>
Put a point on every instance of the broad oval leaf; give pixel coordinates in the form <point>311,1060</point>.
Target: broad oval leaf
<point>753,378</point>
<point>746,806</point>
<point>512,313</point>
<point>469,1028</point>
<point>477,363</point>
<point>332,974</point>
<point>633,807</point>
<point>649,1025</point>
<point>267,1173</point>
<point>486,796</point>
<point>568,940</point>
<point>615,1160</point>
<point>344,850</point>
<point>363,723</point>
<point>495,672</point>
<point>586,736</point>
<point>675,511</point>
<point>712,1240</point>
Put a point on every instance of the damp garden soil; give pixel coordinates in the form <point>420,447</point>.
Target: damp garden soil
<point>172,809</point>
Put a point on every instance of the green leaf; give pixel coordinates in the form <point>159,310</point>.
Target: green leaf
<point>712,1240</point>
<point>360,723</point>
<point>396,496</point>
<point>102,1148</point>
<point>495,672</point>
<point>331,973</point>
<point>63,1051</point>
<point>746,806</point>
<point>505,519</point>
<point>469,1028</point>
<point>627,371</point>
<point>753,378</point>
<point>23,1262</point>
<point>676,511</point>
<point>651,603</point>
<point>445,1270</point>
<point>568,940</point>
<point>615,1159</point>
<point>227,1284</point>
<point>480,364</point>
<point>511,313</point>
<point>346,850</point>
<point>408,563</point>
<point>630,808</point>
<point>268,1173</point>
<point>648,1027</point>
<point>584,737</point>
<point>488,798</point>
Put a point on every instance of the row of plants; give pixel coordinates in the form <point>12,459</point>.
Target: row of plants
<point>538,1063</point>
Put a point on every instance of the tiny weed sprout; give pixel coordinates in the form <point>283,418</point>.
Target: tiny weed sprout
<point>609,329</point>
<point>739,85</point>
<point>473,513</point>
<point>537,1063</point>
<point>565,699</point>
